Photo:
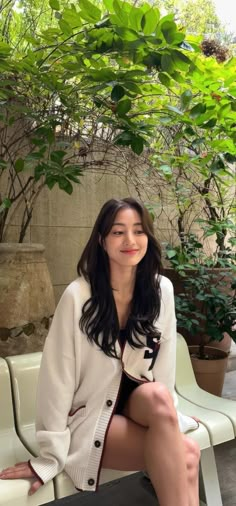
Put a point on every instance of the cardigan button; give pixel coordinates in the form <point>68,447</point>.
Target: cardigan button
<point>109,403</point>
<point>91,482</point>
<point>97,443</point>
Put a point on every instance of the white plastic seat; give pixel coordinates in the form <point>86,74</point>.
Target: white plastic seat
<point>187,387</point>
<point>14,492</point>
<point>214,429</point>
<point>24,371</point>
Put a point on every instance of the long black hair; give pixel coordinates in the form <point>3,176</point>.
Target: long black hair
<point>99,318</point>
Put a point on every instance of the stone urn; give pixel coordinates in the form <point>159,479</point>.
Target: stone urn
<point>26,298</point>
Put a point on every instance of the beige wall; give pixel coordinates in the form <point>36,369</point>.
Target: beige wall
<point>63,223</point>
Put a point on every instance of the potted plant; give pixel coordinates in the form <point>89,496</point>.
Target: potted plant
<point>205,308</point>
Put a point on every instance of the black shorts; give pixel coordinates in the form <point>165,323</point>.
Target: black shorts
<point>126,388</point>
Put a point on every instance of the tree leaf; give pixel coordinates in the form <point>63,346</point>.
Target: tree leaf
<point>120,12</point>
<point>137,143</point>
<point>149,21</point>
<point>6,204</point>
<point>135,18</point>
<point>117,93</point>
<point>185,99</point>
<point>123,107</point>
<point>54,4</point>
<point>209,124</point>
<point>65,185</point>
<point>180,59</point>
<point>89,11</point>
<point>65,27</point>
<point>197,110</point>
<point>175,109</point>
<point>164,79</point>
<point>19,165</point>
<point>57,156</point>
<point>167,63</point>
<point>168,29</point>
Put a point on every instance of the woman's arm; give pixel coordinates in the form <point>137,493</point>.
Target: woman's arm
<point>56,386</point>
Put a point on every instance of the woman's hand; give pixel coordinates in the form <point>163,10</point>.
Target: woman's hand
<point>21,470</point>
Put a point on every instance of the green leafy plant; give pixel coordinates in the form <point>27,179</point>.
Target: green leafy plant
<point>95,74</point>
<point>206,296</point>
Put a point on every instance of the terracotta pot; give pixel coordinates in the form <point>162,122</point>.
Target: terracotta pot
<point>26,298</point>
<point>209,373</point>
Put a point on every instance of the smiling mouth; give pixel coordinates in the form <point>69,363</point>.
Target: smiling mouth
<point>129,251</point>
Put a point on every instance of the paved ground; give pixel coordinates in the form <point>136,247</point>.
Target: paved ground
<point>226,453</point>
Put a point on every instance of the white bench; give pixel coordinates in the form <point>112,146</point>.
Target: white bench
<point>12,450</point>
<point>187,387</point>
<point>215,427</point>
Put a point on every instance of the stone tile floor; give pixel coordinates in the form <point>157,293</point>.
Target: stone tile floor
<point>226,453</point>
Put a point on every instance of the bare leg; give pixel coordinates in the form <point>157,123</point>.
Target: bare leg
<point>148,437</point>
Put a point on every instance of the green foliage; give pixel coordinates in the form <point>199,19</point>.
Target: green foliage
<point>195,139</point>
<point>95,65</point>
<point>206,302</point>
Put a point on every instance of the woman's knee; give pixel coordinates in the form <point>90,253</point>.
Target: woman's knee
<point>160,404</point>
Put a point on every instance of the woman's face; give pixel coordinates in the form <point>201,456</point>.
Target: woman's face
<point>126,244</point>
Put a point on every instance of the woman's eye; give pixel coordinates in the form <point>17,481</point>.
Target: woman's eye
<point>138,232</point>
<point>117,232</point>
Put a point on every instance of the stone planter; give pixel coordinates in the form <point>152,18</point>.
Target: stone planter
<point>26,298</point>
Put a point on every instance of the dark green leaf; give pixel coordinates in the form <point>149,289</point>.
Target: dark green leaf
<point>189,131</point>
<point>123,139</point>
<point>19,165</point>
<point>39,171</point>
<point>54,4</point>
<point>197,110</point>
<point>167,63</point>
<point>209,124</point>
<point>137,143</point>
<point>168,29</point>
<point>133,87</point>
<point>185,99</point>
<point>180,59</point>
<point>57,156</point>
<point>117,93</point>
<point>50,181</point>
<point>74,178</point>
<point>123,107</point>
<point>65,185</point>
<point>217,165</point>
<point>164,79</point>
<point>177,76</point>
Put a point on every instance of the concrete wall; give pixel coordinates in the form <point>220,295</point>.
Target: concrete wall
<point>63,223</point>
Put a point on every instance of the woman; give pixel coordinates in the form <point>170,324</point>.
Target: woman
<point>108,368</point>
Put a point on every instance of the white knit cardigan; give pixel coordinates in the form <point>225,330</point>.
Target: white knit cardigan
<point>78,387</point>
